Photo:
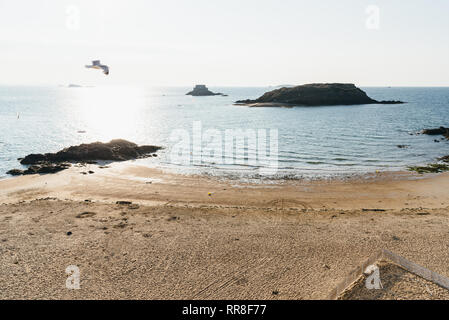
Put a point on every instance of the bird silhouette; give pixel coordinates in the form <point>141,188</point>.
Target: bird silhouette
<point>97,65</point>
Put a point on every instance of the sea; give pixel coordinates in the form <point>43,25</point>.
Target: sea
<point>213,136</point>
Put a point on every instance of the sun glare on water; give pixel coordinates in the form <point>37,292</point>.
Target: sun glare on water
<point>110,112</point>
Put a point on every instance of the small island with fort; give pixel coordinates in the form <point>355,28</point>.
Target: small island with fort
<point>201,90</point>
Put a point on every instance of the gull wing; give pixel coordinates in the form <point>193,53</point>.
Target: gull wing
<point>105,69</point>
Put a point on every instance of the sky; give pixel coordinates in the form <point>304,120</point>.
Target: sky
<point>226,42</point>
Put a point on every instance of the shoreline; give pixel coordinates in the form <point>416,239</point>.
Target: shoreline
<point>185,237</point>
<point>282,174</point>
<point>135,182</point>
<point>227,175</point>
<point>301,176</point>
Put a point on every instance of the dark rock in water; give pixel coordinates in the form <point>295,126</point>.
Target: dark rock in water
<point>201,90</point>
<point>41,168</point>
<point>437,132</point>
<point>444,159</point>
<point>15,172</point>
<point>430,168</point>
<point>389,102</point>
<point>317,94</point>
<point>403,146</point>
<point>47,167</point>
<point>116,150</point>
<point>33,158</point>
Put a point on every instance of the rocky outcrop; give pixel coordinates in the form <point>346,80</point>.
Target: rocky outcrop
<point>41,168</point>
<point>434,167</point>
<point>441,131</point>
<point>317,94</point>
<point>115,150</point>
<point>201,90</point>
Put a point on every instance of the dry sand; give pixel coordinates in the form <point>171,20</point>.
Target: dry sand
<point>293,240</point>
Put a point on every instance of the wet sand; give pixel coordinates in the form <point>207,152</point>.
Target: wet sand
<point>188,237</point>
<point>128,181</point>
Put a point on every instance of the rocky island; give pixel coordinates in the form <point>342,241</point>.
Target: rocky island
<point>115,150</point>
<point>201,90</point>
<point>316,94</point>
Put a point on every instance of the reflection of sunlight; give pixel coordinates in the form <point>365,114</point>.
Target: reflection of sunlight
<point>110,112</point>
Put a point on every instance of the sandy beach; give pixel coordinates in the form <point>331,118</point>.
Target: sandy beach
<point>197,151</point>
<point>190,237</point>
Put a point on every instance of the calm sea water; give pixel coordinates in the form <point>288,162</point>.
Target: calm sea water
<point>313,142</point>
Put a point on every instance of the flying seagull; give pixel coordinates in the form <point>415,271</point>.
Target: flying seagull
<point>97,65</point>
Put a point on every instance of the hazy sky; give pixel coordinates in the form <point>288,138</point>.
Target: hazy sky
<point>226,42</point>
